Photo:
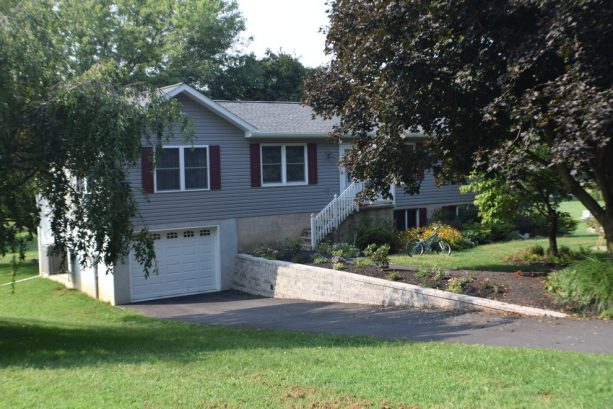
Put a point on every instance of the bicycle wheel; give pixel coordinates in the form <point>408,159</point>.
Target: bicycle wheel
<point>414,248</point>
<point>445,247</point>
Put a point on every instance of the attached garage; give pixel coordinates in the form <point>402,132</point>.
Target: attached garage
<point>188,262</point>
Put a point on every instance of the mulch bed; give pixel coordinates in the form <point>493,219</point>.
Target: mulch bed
<point>527,289</point>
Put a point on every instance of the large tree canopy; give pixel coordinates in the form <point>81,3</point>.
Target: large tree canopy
<point>495,83</point>
<point>78,98</point>
<point>276,77</point>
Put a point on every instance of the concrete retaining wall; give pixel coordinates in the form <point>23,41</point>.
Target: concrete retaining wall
<point>272,278</point>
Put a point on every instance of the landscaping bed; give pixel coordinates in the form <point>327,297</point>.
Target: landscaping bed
<point>512,287</point>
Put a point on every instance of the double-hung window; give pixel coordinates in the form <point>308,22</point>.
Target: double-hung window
<point>182,168</point>
<point>284,164</point>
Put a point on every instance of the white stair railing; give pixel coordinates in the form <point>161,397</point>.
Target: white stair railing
<point>335,212</point>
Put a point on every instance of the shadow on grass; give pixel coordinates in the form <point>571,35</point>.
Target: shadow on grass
<point>135,339</point>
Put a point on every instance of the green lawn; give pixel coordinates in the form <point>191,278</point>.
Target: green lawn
<point>27,268</point>
<point>489,256</point>
<point>60,348</point>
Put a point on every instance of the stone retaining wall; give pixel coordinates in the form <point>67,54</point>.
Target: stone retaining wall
<point>281,279</point>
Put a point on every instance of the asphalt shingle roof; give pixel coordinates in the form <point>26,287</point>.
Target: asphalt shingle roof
<point>282,117</point>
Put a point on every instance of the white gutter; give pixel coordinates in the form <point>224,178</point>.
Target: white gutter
<point>263,134</point>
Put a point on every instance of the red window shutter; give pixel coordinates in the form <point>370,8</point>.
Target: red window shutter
<point>215,158</point>
<point>146,166</point>
<point>312,163</point>
<point>256,180</point>
<point>423,216</point>
<point>420,175</point>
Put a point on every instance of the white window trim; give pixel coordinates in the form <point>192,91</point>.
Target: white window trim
<point>284,181</point>
<point>182,169</point>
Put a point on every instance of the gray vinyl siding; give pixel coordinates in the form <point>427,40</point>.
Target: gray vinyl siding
<point>236,198</point>
<point>431,195</point>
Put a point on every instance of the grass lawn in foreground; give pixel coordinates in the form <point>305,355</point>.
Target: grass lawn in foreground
<point>27,268</point>
<point>63,349</point>
<point>489,256</point>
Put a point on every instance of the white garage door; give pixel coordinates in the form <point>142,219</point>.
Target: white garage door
<point>188,263</point>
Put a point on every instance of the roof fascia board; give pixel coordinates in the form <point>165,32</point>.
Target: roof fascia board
<point>213,106</point>
<point>264,134</point>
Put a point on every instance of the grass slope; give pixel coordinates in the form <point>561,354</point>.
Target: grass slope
<point>489,256</point>
<point>27,268</point>
<point>60,348</point>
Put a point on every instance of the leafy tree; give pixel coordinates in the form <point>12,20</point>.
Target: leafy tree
<point>536,191</point>
<point>78,99</point>
<point>276,77</point>
<point>156,41</point>
<point>496,83</point>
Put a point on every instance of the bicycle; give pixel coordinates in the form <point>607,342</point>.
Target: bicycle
<point>420,246</point>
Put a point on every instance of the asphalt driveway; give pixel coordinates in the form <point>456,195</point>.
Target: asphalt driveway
<point>237,309</point>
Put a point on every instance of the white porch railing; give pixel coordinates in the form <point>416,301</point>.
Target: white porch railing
<point>335,212</point>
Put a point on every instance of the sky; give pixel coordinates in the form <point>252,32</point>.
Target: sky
<point>290,25</point>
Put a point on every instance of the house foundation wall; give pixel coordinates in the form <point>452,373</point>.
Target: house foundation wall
<point>346,232</point>
<point>256,231</point>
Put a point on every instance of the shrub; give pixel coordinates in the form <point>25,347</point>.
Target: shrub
<point>267,252</point>
<point>422,273</point>
<point>363,262</point>
<point>586,284</point>
<point>290,248</point>
<point>537,224</point>
<point>378,232</point>
<point>468,214</point>
<point>459,284</point>
<point>345,250</point>
<point>476,233</point>
<point>338,262</point>
<point>501,231</point>
<point>378,254</point>
<point>483,233</point>
<point>394,276</point>
<point>536,255</point>
<point>338,249</point>
<point>537,250</point>
<point>320,259</point>
<point>438,274</point>
<point>451,235</point>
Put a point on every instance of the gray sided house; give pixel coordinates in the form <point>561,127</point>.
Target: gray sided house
<point>255,173</point>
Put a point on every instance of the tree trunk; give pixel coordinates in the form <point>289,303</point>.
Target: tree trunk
<point>553,233</point>
<point>608,236</point>
<point>603,215</point>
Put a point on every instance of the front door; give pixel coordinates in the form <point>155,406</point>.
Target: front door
<point>345,176</point>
